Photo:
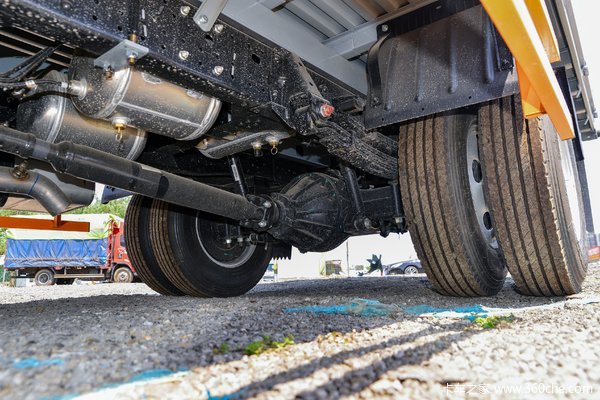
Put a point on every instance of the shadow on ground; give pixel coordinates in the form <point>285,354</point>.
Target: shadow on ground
<point>137,333</point>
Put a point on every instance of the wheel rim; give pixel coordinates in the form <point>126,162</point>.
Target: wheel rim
<point>571,182</point>
<point>476,185</point>
<point>210,235</point>
<point>43,278</point>
<point>122,276</point>
<point>411,270</point>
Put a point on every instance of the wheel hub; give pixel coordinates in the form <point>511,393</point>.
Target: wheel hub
<point>476,184</point>
<point>411,270</point>
<point>226,254</point>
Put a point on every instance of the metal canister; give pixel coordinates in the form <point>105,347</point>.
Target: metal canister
<point>143,100</point>
<point>52,117</point>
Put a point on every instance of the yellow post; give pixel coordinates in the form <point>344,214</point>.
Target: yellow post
<point>541,92</point>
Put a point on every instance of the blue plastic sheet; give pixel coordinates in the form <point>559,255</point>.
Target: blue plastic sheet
<point>55,253</point>
<point>358,307</point>
<point>34,362</point>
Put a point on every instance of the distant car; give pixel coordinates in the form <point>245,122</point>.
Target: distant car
<point>409,267</point>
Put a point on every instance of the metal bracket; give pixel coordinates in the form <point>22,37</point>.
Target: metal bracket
<point>216,148</point>
<point>207,14</point>
<point>119,56</point>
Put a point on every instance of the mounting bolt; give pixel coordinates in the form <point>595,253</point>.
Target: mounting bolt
<point>257,147</point>
<point>267,204</point>
<point>262,224</point>
<point>218,28</point>
<point>326,110</point>
<point>77,89</point>
<point>108,72</point>
<point>218,70</point>
<point>185,10</point>
<point>184,54</point>
<point>20,171</point>
<point>385,28</point>
<point>585,70</point>
<point>203,19</point>
<point>228,241</point>
<point>240,239</point>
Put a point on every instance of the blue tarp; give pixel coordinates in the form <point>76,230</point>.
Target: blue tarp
<point>55,253</point>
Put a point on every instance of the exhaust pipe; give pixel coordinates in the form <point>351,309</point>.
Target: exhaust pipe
<point>19,181</point>
<point>97,166</point>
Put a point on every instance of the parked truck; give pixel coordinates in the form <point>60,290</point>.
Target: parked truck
<point>60,257</point>
<point>247,127</point>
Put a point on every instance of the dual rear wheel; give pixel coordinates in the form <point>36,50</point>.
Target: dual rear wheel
<point>488,191</point>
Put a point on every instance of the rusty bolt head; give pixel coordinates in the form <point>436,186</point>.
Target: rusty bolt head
<point>326,110</point>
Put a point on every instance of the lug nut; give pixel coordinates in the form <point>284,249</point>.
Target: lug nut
<point>326,110</point>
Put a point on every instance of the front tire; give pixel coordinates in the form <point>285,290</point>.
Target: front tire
<point>536,200</point>
<point>193,253</point>
<point>44,277</point>
<point>445,206</point>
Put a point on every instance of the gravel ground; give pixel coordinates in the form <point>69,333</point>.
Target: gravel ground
<point>63,341</point>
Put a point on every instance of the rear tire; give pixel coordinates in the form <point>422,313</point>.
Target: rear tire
<point>44,277</point>
<point>444,206</point>
<point>540,224</point>
<point>190,252</point>
<point>139,249</point>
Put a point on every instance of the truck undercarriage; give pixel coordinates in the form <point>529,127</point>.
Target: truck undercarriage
<point>246,127</point>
